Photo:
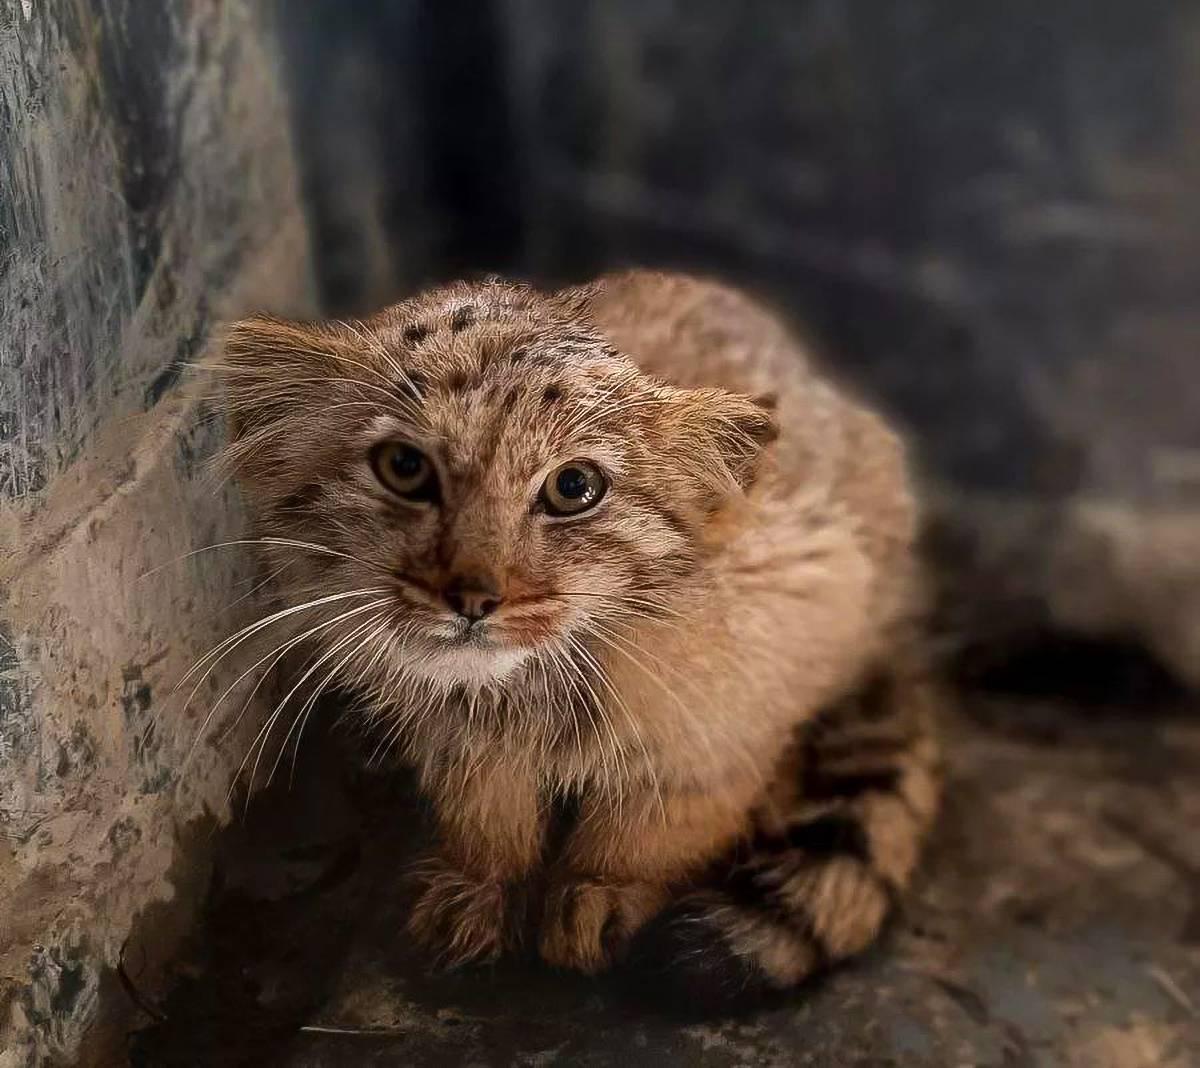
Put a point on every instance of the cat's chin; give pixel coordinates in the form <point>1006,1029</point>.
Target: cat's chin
<point>452,665</point>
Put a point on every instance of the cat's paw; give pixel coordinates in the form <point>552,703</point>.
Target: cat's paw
<point>588,922</point>
<point>458,917</point>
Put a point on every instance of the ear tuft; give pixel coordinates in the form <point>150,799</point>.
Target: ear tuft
<point>745,426</point>
<point>261,353</point>
<point>721,435</point>
<point>263,341</point>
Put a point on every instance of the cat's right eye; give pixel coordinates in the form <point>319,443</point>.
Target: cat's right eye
<point>405,470</point>
<point>575,487</point>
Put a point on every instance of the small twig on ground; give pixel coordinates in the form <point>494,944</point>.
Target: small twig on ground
<point>358,1032</point>
<point>1172,989</point>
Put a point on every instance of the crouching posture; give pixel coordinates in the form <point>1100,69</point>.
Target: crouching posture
<point>631,586</point>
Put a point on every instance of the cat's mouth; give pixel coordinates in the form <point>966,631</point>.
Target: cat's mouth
<point>522,624</point>
<point>466,634</point>
<point>468,655</point>
<point>485,652</point>
<point>524,632</point>
<point>453,650</point>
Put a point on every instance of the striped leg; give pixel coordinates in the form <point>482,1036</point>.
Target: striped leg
<point>834,849</point>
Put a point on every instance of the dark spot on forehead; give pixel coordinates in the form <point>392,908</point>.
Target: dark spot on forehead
<point>551,394</point>
<point>416,333</point>
<point>457,382</point>
<point>517,355</point>
<point>462,318</point>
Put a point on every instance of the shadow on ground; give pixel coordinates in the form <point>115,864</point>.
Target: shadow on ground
<point>1057,922</point>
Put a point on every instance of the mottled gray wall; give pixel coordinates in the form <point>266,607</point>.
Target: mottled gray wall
<point>147,190</point>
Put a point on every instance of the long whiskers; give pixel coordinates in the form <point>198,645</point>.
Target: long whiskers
<point>275,656</point>
<point>630,721</point>
<point>651,604</point>
<point>287,543</point>
<point>261,739</point>
<point>225,647</point>
<point>379,623</point>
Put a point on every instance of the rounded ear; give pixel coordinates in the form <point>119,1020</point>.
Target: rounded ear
<point>276,375</point>
<point>723,434</point>
<point>269,362</point>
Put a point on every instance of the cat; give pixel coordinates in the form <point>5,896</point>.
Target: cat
<point>632,587</point>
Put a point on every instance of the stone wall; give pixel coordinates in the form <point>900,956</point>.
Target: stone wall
<point>147,190</point>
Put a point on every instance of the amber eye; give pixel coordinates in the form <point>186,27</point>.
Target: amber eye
<point>573,488</point>
<point>405,470</point>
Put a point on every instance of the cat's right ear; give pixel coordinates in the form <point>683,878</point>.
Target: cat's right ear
<point>268,366</point>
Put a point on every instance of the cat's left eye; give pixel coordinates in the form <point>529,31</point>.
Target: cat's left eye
<point>573,488</point>
<point>405,470</point>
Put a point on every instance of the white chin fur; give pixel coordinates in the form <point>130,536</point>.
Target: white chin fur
<point>466,665</point>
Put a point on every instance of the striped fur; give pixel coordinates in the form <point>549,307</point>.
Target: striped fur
<point>826,861</point>
<point>659,665</point>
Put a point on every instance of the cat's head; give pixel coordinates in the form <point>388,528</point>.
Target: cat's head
<point>476,477</point>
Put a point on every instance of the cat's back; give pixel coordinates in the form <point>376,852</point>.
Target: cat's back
<point>695,332</point>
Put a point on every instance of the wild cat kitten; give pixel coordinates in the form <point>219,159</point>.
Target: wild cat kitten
<point>615,552</point>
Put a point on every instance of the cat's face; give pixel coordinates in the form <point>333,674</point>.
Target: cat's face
<point>494,478</point>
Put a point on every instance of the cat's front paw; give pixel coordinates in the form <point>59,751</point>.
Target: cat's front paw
<point>589,921</point>
<point>458,917</point>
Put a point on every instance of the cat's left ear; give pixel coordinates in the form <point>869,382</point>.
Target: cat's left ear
<point>272,366</point>
<point>722,435</point>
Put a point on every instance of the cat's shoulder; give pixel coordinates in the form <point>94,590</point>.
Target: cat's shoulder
<point>695,331</point>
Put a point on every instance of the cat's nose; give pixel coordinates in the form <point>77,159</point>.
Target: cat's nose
<point>472,598</point>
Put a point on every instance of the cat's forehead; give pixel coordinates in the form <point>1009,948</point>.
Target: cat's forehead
<point>491,370</point>
<point>496,343</point>
<point>475,329</point>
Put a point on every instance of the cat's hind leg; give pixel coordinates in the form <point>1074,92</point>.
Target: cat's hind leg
<point>830,856</point>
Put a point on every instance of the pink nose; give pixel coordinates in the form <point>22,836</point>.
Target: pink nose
<point>472,598</point>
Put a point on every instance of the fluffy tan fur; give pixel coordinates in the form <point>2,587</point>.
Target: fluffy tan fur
<point>714,667</point>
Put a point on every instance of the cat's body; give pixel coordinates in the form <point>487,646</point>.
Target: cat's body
<point>713,664</point>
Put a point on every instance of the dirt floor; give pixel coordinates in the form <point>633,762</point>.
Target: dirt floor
<point>1057,923</point>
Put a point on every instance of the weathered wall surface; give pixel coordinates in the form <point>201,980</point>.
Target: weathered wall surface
<point>147,190</point>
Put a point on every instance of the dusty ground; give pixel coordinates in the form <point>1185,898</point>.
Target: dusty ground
<point>1057,923</point>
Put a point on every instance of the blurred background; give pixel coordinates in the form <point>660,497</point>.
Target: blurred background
<point>982,216</point>
<point>985,211</point>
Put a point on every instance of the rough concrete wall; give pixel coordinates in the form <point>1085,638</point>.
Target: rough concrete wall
<point>147,190</point>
